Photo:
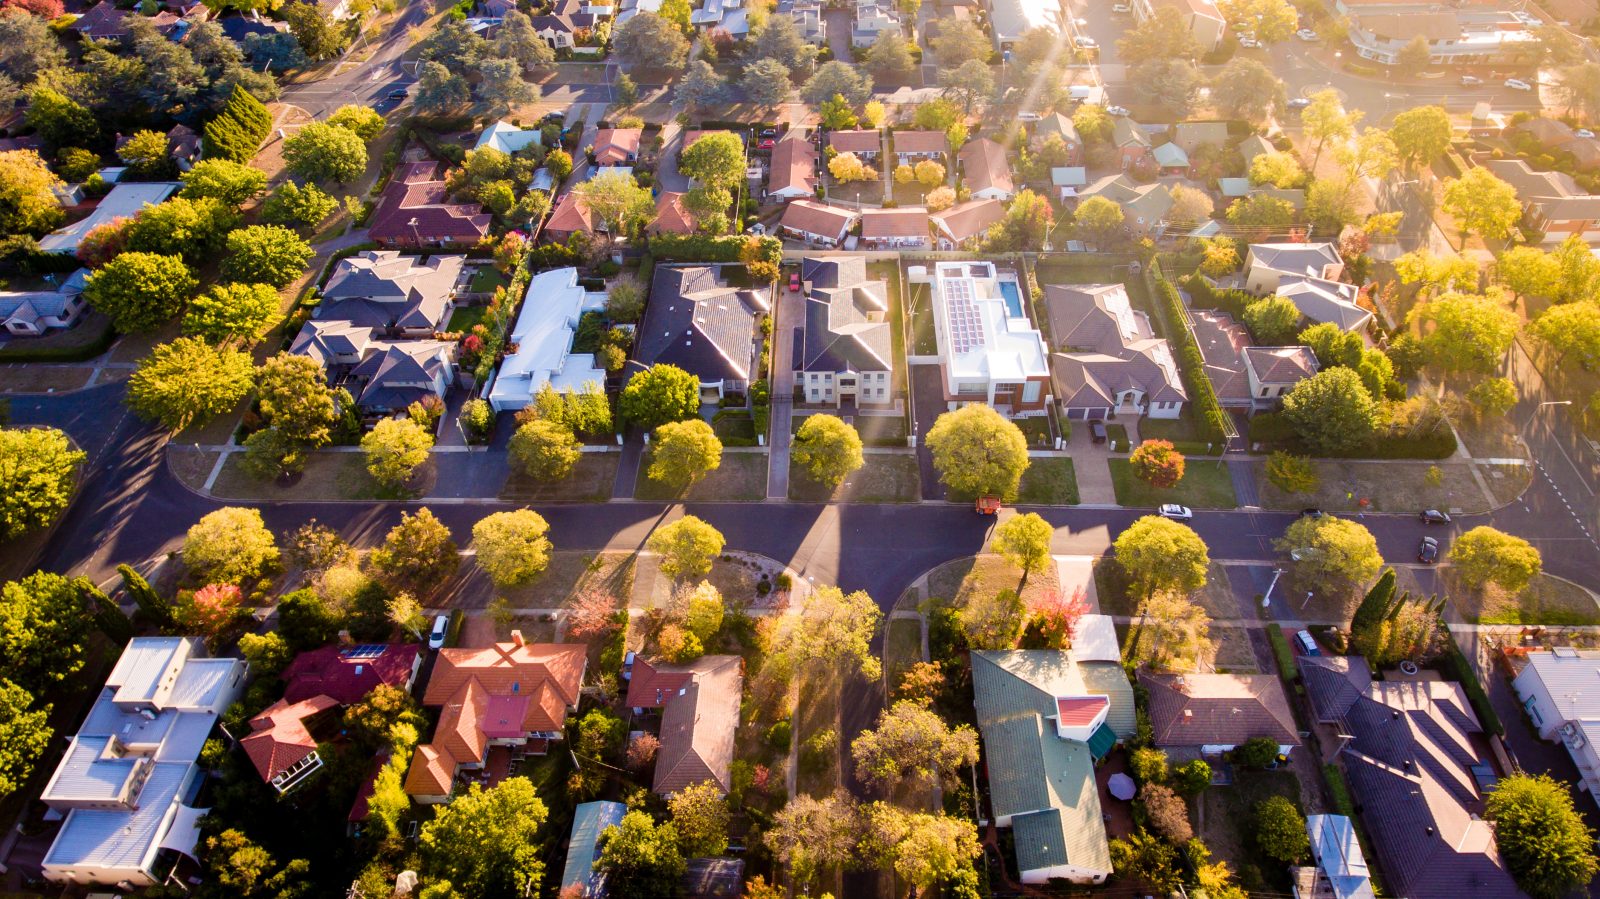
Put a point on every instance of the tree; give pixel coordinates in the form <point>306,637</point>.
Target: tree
<point>978,451</point>
<point>439,89</point>
<point>649,41</point>
<point>38,474</point>
<point>925,850</point>
<point>486,842</point>
<point>1194,206</point>
<point>1332,412</point>
<point>1275,20</point>
<point>1464,332</point>
<point>1274,321</point>
<point>417,554</point>
<point>366,122</point>
<point>1572,329</point>
<point>766,81</point>
<point>1024,541</point>
<point>188,381</point>
<point>835,78</point>
<point>702,85</point>
<point>1157,463</point>
<point>686,546</point>
<point>780,40</point>
<point>59,120</point>
<point>715,159</point>
<point>810,835</point>
<point>658,395</point>
<point>1527,272</point>
<point>1261,213</point>
<point>295,399</point>
<point>912,742</point>
<point>454,44</point>
<point>230,311</point>
<point>641,858</point>
<point>1281,830</point>
<point>1546,844</point>
<point>616,199</point>
<point>700,815</point>
<point>324,152</point>
<point>28,47</point>
<point>292,204</point>
<point>319,36</point>
<point>44,624</point>
<point>993,620</point>
<point>1325,120</point>
<point>237,862</point>
<point>1330,552</point>
<point>1415,55</point>
<point>266,254</point>
<point>1291,473</point>
<point>230,546</point>
<point>394,449</point>
<point>1421,135</point>
<point>1409,629</point>
<point>1484,556</point>
<point>24,735</point>
<point>834,630</point>
<point>683,452</point>
<point>210,611</point>
<point>228,182</point>
<point>517,40</point>
<point>827,448</point>
<point>940,198</point>
<point>1147,859</point>
<point>28,202</point>
<point>1167,813</point>
<point>957,41</point>
<point>1278,169</point>
<point>277,51</point>
<point>545,450</point>
<point>1171,83</point>
<point>847,167</point>
<point>1165,35</point>
<point>1247,89</point>
<point>968,83</point>
<point>1171,633</point>
<point>1482,204</point>
<point>1579,87</point>
<point>1492,397</point>
<point>624,302</point>
<point>1580,270</point>
<point>890,56</point>
<point>193,229</point>
<point>1024,225</point>
<point>1161,555</point>
<point>678,13</point>
<point>140,291</point>
<point>930,174</point>
<point>513,547</point>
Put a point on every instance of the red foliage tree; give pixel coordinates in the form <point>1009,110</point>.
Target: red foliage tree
<point>593,613</point>
<point>211,610</point>
<point>1057,616</point>
<point>1157,463</point>
<point>45,9</point>
<point>103,242</point>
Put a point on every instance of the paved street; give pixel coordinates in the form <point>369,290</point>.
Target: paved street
<point>366,82</point>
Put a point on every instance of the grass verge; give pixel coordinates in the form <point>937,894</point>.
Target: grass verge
<point>884,478</point>
<point>740,477</point>
<point>1205,485</point>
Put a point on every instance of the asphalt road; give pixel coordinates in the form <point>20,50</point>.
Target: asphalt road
<point>367,82</point>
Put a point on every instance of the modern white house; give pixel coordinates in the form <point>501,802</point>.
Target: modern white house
<point>543,337</point>
<point>989,350</point>
<point>130,776</point>
<point>1557,688</point>
<point>124,201</point>
<point>507,138</point>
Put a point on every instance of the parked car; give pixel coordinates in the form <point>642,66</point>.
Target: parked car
<point>1084,43</point>
<point>399,94</point>
<point>1175,512</point>
<point>1583,132</point>
<point>1470,80</point>
<point>1121,8</point>
<point>1299,103</point>
<point>1307,643</point>
<point>1428,551</point>
<point>441,627</point>
<point>1311,512</point>
<point>1517,84</point>
<point>1116,110</point>
<point>1433,516</point>
<point>767,143</point>
<point>1307,35</point>
<point>794,281</point>
<point>1249,42</point>
<point>769,132</point>
<point>1097,431</point>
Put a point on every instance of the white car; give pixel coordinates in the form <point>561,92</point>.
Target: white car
<point>441,628</point>
<point>1517,84</point>
<point>1249,42</point>
<point>1307,35</point>
<point>1175,512</point>
<point>1084,43</point>
<point>1470,80</point>
<point>1583,132</point>
<point>1081,23</point>
<point>1121,8</point>
<point>1299,103</point>
<point>1116,110</point>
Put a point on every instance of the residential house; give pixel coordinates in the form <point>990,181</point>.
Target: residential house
<point>1194,715</point>
<point>1321,300</point>
<point>989,351</point>
<point>126,786</point>
<point>1046,717</point>
<point>671,216</point>
<point>702,325</point>
<point>912,147</point>
<point>987,174</point>
<point>1549,133</point>
<point>1244,376</point>
<point>1108,361</point>
<point>1273,371</point>
<point>1170,159</point>
<point>543,336</point>
<point>387,381</point>
<point>1554,688</point>
<point>1266,264</point>
<point>808,20</point>
<point>1144,206</point>
<point>415,211</point>
<point>867,144</point>
<point>589,820</point>
<point>905,228</point>
<point>29,313</point>
<point>1234,188</point>
<point>627,9</point>
<point>615,146</point>
<point>794,167</point>
<point>239,27</point>
<point>183,145</point>
<point>513,696</point>
<point>1202,17</point>
<point>847,350</point>
<point>348,673</point>
<point>280,744</point>
<point>699,703</point>
<point>1254,146</point>
<point>1131,141</point>
<point>1011,19</point>
<point>1338,869</point>
<point>1057,125</point>
<point>816,224</point>
<point>1455,35</point>
<point>727,15</point>
<point>103,22</point>
<point>560,28</point>
<point>394,294</point>
<point>508,138</point>
<point>1191,136</point>
<point>124,201</point>
<point>570,216</point>
<point>966,225</point>
<point>1552,202</point>
<point>1414,756</point>
<point>335,10</point>
<point>873,19</point>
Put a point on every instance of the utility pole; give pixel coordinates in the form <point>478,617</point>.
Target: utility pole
<point>1266,598</point>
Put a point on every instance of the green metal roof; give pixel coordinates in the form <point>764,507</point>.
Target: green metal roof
<point>1101,741</point>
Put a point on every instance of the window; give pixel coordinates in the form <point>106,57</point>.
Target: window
<point>829,393</point>
<point>1263,391</point>
<point>1030,392</point>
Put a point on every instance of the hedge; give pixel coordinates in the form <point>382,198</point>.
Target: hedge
<point>705,248</point>
<point>238,131</point>
<point>1230,300</point>
<point>19,351</point>
<point>1273,430</point>
<point>1456,667</point>
<point>1282,653</point>
<point>1210,418</point>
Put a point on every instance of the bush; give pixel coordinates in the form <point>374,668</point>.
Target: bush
<point>1283,654</point>
<point>779,736</point>
<point>1256,752</point>
<point>1148,765</point>
<point>477,420</point>
<point>1192,777</point>
<point>705,248</point>
<point>1281,830</point>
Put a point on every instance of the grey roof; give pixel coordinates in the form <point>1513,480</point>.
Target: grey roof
<point>700,324</point>
<point>43,303</point>
<point>1056,123</point>
<point>1334,683</point>
<point>124,201</point>
<point>323,341</point>
<point>1254,146</point>
<point>1115,349</point>
<point>1321,300</point>
<point>1218,709</point>
<point>1125,132</point>
<point>1556,194</point>
<point>399,373</point>
<point>589,820</point>
<point>1194,135</point>
<point>1280,364</point>
<point>1147,201</point>
<point>840,334</point>
<point>384,289</point>
<point>1306,259</point>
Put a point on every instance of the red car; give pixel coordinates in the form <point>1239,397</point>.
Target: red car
<point>794,281</point>
<point>766,144</point>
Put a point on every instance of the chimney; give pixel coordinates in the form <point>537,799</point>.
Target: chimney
<point>1188,714</point>
<point>516,638</point>
<point>345,638</point>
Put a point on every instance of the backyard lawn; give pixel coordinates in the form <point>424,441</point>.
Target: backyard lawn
<point>1229,816</point>
<point>486,279</point>
<point>462,320</point>
<point>1205,485</point>
<point>923,341</point>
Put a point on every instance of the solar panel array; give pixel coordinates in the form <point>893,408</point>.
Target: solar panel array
<point>364,651</point>
<point>962,315</point>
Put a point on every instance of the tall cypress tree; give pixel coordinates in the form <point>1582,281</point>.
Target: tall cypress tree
<point>150,603</point>
<point>1375,605</point>
<point>107,616</point>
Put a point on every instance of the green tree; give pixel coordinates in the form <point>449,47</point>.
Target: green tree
<point>140,291</point>
<point>1528,272</point>
<point>1484,556</point>
<point>1330,553</point>
<point>834,630</point>
<point>683,452</point>
<point>780,40</point>
<point>265,254</point>
<point>1443,272</point>
<point>1414,56</point>
<point>1247,89</point>
<point>969,83</point>
<point>545,450</point>
<point>716,159</point>
<point>395,447</point>
<point>517,40</point>
<point>1024,541</point>
<point>1146,858</point>
<point>925,850</point>
<point>1273,321</point>
<point>957,41</point>
<point>1325,120</point>
<point>1173,84</point>
<point>513,547</point>
<point>323,152</point>
<point>1292,473</point>
<point>43,626</point>
<point>24,736</point>
<point>700,815</point>
<point>1332,412</point>
<point>193,229</point>
<point>237,862</point>
<point>1024,225</point>
<point>686,546</point>
<point>439,89</point>
<point>319,36</point>
<point>827,448</point>
<point>978,451</point>
<point>1167,813</point>
<point>700,85</point>
<point>28,202</point>
<point>1281,830</point>
<point>417,554</point>
<point>1332,345</point>
<point>38,474</point>
<point>658,395</point>
<point>1546,844</point>
<point>809,835</point>
<point>1571,329</point>
<point>1376,604</point>
<point>640,857</point>
<point>649,41</point>
<point>913,743</point>
<point>1157,463</point>
<point>295,399</point>
<point>1482,204</point>
<point>1278,169</point>
<point>993,620</point>
<point>150,603</point>
<point>837,79</point>
<point>366,122</point>
<point>267,653</point>
<point>486,842</point>
<point>766,81</point>
<point>890,56</point>
<point>617,200</point>
<point>1492,397</point>
<point>294,205</point>
<point>1161,555</point>
<point>28,47</point>
<point>230,546</point>
<point>1421,134</point>
<point>1464,332</point>
<point>59,120</point>
<point>1261,214</point>
<point>228,182</point>
<point>188,381</point>
<point>230,312</point>
<point>502,88</point>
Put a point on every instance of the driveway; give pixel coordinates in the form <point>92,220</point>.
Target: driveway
<point>927,398</point>
<point>840,24</point>
<point>787,332</point>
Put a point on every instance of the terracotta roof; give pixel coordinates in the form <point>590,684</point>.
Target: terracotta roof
<point>549,672</point>
<point>104,22</point>
<point>614,145</point>
<point>983,162</point>
<point>650,687</point>
<point>921,142</point>
<point>1080,711</point>
<point>794,164</point>
<point>415,209</point>
<point>431,772</point>
<point>570,216</point>
<point>348,673</point>
<point>671,217</point>
<point>867,141</point>
<point>698,725</point>
<point>460,731</point>
<point>885,223</point>
<point>970,219</point>
<point>1218,709</point>
<point>815,218</point>
<point>280,738</point>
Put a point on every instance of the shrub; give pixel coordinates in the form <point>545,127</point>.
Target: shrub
<point>1281,830</point>
<point>1148,765</point>
<point>1256,752</point>
<point>1192,777</point>
<point>1168,813</point>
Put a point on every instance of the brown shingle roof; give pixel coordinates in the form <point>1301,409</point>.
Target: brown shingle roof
<point>884,223</point>
<point>794,164</point>
<point>921,142</point>
<point>815,218</point>
<point>970,219</point>
<point>1218,709</point>
<point>698,725</point>
<point>415,208</point>
<point>856,141</point>
<point>983,162</point>
<point>570,216</point>
<point>614,145</point>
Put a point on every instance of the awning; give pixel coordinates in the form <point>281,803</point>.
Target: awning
<point>1101,741</point>
<point>185,831</point>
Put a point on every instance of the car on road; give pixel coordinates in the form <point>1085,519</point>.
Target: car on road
<point>1116,110</point>
<point>1306,644</point>
<point>1299,103</point>
<point>1470,80</point>
<point>1433,516</point>
<point>1428,551</point>
<point>766,143</point>
<point>1029,116</point>
<point>1175,512</point>
<point>1307,35</point>
<point>1311,512</point>
<point>794,281</point>
<point>1517,84</point>
<point>399,94</point>
<point>1583,132</point>
<point>1084,43</point>
<point>1249,42</point>
<point>441,627</point>
<point>1121,8</point>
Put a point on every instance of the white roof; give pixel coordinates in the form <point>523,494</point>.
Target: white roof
<point>1321,301</point>
<point>121,840</point>
<point>1095,640</point>
<point>507,138</point>
<point>978,338</point>
<point>543,334</point>
<point>1338,854</point>
<point>1011,18</point>
<point>1069,176</point>
<point>1569,676</point>
<point>123,201</point>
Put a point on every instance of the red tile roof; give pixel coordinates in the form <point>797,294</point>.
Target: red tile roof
<point>921,142</point>
<point>349,673</point>
<point>280,738</point>
<point>570,217</point>
<point>1080,711</point>
<point>814,218</point>
<point>878,224</point>
<point>983,162</point>
<point>671,217</point>
<point>794,164</point>
<point>415,210</point>
<point>651,687</point>
<point>870,141</point>
<point>615,145</point>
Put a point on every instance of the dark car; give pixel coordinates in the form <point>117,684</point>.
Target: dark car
<point>1097,431</point>
<point>399,94</point>
<point>1428,551</point>
<point>1311,512</point>
<point>1433,516</point>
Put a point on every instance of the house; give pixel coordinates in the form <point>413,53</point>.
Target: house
<point>989,352</point>
<point>1552,202</point>
<point>29,313</point>
<point>124,201</point>
<point>1245,376</point>
<point>508,138</point>
<point>808,20</point>
<point>1046,717</point>
<point>1068,180</point>
<point>512,695</point>
<point>415,211</point>
<point>671,217</point>
<point>699,703</point>
<point>1202,17</point>
<point>335,10</point>
<point>560,27</point>
<point>1455,35</point>
<point>867,145</point>
<point>103,22</point>
<point>1057,125</point>
<point>1321,300</point>
<point>847,348</point>
<point>614,146</point>
<point>1254,146</point>
<point>543,335</point>
<point>872,20</point>
<point>1338,869</point>
<point>570,216</point>
<point>1132,144</point>
<point>1412,753</point>
<point>1234,188</point>
<point>1195,715</point>
<point>1108,361</point>
<point>589,820</point>
<point>1549,133</point>
<point>987,174</point>
<point>238,28</point>
<point>1011,19</point>
<point>126,780</point>
<point>1170,159</point>
<point>1294,196</point>
<point>183,145</point>
<point>905,228</point>
<point>965,225</point>
<point>1266,264</point>
<point>702,325</point>
<point>816,224</point>
<point>1554,688</point>
<point>1144,206</point>
<point>727,15</point>
<point>912,147</point>
<point>280,745</point>
<point>1273,371</point>
<point>349,673</point>
<point>794,167</point>
<point>1191,136</point>
<point>394,375</point>
<point>397,295</point>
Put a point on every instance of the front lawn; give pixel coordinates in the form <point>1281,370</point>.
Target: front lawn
<point>1205,485</point>
<point>1037,430</point>
<point>1547,600</point>
<point>1049,481</point>
<point>883,478</point>
<point>741,476</point>
<point>591,481</point>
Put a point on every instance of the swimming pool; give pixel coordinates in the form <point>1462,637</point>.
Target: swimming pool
<point>1008,289</point>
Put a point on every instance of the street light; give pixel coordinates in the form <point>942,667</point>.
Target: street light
<point>1535,414</point>
<point>1266,598</point>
